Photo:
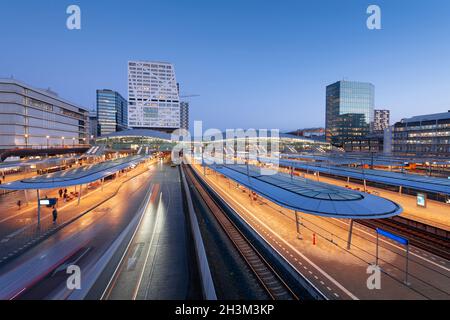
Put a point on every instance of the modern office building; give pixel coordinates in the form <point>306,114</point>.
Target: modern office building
<point>184,115</point>
<point>371,143</point>
<point>93,125</point>
<point>153,99</point>
<point>313,133</point>
<point>381,121</point>
<point>423,135</point>
<point>36,118</point>
<point>349,111</point>
<point>112,110</point>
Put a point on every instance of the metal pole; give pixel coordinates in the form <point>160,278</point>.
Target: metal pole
<point>39,207</point>
<point>203,161</point>
<point>79,194</point>
<point>350,234</point>
<point>26,196</point>
<point>407,264</point>
<point>376,255</point>
<point>297,225</point>
<point>248,171</point>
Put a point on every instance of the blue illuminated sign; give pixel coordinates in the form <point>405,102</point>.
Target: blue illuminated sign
<point>392,236</point>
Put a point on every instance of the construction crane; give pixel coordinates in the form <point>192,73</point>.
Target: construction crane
<point>190,96</point>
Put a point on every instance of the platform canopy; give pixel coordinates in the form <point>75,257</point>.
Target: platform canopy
<point>412,181</point>
<point>309,196</point>
<point>77,176</point>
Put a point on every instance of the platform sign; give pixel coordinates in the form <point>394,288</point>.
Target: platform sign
<point>392,236</point>
<point>48,201</point>
<point>421,200</point>
<point>397,239</point>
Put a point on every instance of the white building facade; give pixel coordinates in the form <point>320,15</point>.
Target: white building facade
<point>381,120</point>
<point>153,99</point>
<point>36,118</point>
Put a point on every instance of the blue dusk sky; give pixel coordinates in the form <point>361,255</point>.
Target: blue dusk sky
<point>254,63</point>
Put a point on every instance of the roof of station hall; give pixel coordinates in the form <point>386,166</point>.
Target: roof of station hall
<point>262,133</point>
<point>77,176</point>
<point>146,133</point>
<point>309,196</point>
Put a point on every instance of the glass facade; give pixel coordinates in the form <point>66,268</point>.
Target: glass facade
<point>112,112</point>
<point>349,111</point>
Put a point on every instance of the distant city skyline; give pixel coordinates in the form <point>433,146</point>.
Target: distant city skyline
<point>253,64</point>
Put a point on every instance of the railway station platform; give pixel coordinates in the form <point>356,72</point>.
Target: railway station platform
<point>322,256</point>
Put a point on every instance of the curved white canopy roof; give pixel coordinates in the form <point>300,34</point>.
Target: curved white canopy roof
<point>75,176</point>
<point>309,196</point>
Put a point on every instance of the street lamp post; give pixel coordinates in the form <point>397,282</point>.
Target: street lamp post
<point>62,140</point>
<point>26,140</point>
<point>73,141</point>
<point>48,137</point>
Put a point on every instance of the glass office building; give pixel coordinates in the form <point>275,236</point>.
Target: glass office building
<point>349,111</point>
<point>112,112</point>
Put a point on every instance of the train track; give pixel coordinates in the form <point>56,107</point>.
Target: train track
<point>267,276</point>
<point>419,238</point>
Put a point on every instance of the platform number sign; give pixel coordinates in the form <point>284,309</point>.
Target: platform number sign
<point>421,200</point>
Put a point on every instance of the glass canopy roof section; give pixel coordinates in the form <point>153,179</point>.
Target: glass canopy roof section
<point>309,196</point>
<point>306,188</point>
<point>417,182</point>
<point>77,176</point>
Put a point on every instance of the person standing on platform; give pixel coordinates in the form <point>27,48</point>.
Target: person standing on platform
<point>55,214</point>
